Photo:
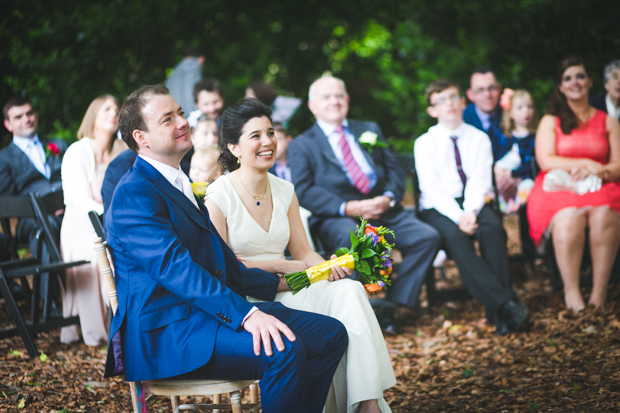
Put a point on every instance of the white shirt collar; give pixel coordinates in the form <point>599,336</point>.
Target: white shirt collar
<point>611,109</point>
<point>444,131</point>
<point>22,143</point>
<point>167,171</point>
<point>328,128</point>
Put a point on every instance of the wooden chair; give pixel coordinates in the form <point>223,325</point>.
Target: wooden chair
<point>32,207</point>
<point>176,388</point>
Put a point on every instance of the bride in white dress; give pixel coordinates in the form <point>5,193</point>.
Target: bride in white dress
<point>258,216</point>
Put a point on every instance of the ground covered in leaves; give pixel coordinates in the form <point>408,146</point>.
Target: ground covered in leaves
<point>447,360</point>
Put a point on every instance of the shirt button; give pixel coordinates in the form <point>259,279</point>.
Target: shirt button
<point>219,273</point>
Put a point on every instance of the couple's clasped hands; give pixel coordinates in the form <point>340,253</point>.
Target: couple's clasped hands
<point>266,328</point>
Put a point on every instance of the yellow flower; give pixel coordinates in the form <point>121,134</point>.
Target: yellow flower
<point>200,189</point>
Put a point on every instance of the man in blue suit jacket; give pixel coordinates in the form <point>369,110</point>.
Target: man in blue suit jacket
<point>182,308</point>
<point>326,187</point>
<point>484,112</point>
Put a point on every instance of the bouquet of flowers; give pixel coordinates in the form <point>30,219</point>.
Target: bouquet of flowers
<point>370,255</point>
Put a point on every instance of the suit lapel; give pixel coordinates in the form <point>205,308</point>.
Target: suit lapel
<point>22,161</point>
<point>325,148</point>
<point>357,130</point>
<point>176,196</point>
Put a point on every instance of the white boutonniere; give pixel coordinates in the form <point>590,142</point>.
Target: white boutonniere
<point>369,140</point>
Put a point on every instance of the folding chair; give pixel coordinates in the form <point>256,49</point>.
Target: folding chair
<point>31,207</point>
<point>176,388</point>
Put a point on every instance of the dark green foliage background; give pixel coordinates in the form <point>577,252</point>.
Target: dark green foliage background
<point>64,53</point>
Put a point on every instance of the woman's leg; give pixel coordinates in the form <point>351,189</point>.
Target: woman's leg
<point>604,226</point>
<point>568,228</point>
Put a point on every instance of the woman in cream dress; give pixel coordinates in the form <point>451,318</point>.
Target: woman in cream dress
<point>258,216</point>
<point>83,169</point>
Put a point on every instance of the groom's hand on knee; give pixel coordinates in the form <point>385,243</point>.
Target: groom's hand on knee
<point>264,328</point>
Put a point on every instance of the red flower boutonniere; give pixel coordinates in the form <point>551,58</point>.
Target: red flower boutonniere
<point>51,150</point>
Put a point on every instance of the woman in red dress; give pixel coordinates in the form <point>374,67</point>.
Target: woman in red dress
<point>581,140</point>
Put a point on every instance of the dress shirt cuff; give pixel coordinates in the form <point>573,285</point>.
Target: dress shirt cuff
<point>252,311</point>
<point>390,194</point>
<point>342,209</point>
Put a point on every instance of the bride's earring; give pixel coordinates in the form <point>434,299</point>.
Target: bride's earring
<point>239,159</point>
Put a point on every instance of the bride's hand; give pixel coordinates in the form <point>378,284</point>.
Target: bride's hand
<point>289,266</point>
<point>339,272</point>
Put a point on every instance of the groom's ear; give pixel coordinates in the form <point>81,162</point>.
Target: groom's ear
<point>140,137</point>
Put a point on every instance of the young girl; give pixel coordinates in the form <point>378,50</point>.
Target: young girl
<point>204,166</point>
<point>205,133</point>
<point>512,157</point>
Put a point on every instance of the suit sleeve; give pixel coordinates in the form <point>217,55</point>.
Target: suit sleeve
<point>143,226</point>
<point>316,199</point>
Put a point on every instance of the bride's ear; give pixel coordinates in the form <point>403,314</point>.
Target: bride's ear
<point>232,148</point>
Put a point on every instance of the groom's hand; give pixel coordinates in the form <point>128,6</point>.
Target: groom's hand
<point>265,327</point>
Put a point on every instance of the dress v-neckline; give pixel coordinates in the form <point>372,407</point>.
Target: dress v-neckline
<point>245,209</point>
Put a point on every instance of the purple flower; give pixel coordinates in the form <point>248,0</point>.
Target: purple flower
<point>387,263</point>
<point>381,284</point>
<point>375,239</point>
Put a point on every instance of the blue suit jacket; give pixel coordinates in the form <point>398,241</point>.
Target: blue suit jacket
<point>177,280</point>
<point>321,184</point>
<point>471,117</point>
<point>599,103</point>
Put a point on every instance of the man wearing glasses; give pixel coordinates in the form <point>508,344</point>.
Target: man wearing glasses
<point>484,112</point>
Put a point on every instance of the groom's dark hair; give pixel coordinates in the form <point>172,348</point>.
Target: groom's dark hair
<point>231,128</point>
<point>130,116</point>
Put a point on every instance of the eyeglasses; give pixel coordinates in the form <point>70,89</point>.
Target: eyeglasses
<point>443,101</point>
<point>492,88</point>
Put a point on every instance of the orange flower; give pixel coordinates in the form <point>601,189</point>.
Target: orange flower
<point>372,288</point>
<point>370,229</point>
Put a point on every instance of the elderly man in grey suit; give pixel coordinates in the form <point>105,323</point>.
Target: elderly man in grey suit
<point>337,176</point>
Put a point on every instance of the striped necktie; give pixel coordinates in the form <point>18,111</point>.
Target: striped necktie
<point>359,179</point>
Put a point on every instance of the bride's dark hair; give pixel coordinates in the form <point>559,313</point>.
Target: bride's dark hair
<point>231,128</point>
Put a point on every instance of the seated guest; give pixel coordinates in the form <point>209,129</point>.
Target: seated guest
<point>262,91</point>
<point>188,318</point>
<point>338,177</point>
<point>513,164</point>
<point>83,168</point>
<point>585,142</point>
<point>610,102</point>
<point>280,168</point>
<point>204,166</point>
<point>484,112</point>
<point>205,133</point>
<point>29,163</point>
<point>209,97</point>
<point>453,162</point>
<point>282,107</point>
<point>258,233</point>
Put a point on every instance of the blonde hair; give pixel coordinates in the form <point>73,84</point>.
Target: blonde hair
<point>211,153</point>
<point>87,128</point>
<point>508,124</point>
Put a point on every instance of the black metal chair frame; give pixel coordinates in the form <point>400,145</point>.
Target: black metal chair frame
<point>38,208</point>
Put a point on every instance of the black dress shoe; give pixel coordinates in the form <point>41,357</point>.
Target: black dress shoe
<point>384,310</point>
<point>513,314</point>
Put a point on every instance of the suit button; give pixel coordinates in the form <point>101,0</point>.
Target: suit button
<point>219,273</point>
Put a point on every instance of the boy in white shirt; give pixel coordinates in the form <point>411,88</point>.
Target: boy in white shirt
<point>454,166</point>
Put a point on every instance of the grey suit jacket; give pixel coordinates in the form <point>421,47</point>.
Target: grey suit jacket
<point>320,182</point>
<point>18,176</point>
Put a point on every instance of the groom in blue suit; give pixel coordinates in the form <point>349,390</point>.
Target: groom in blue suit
<point>182,309</point>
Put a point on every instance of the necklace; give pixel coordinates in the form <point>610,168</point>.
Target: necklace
<point>257,198</point>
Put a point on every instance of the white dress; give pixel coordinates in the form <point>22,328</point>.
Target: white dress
<point>365,370</point>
